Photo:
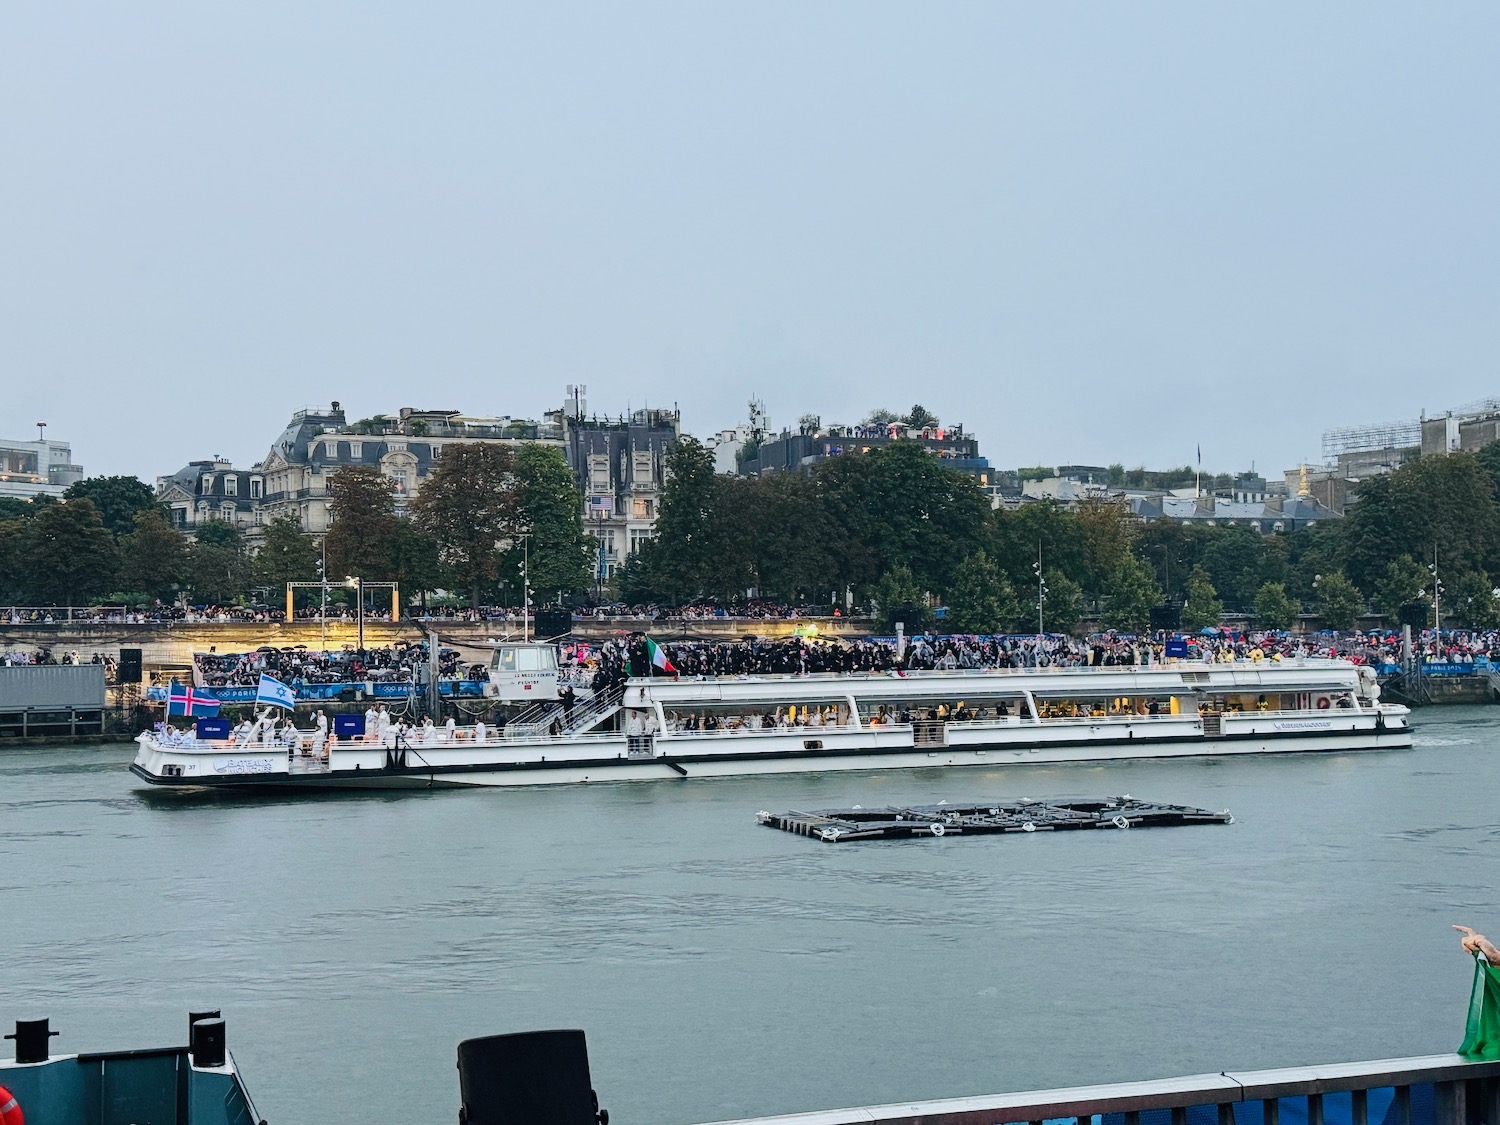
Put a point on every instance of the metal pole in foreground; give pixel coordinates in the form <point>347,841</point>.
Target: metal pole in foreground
<point>359,589</point>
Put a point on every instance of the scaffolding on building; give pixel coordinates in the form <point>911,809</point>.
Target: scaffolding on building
<point>1364,439</point>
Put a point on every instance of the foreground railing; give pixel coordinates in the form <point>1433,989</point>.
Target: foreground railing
<point>1427,1090</point>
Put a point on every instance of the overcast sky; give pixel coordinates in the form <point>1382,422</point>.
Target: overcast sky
<point>1090,232</point>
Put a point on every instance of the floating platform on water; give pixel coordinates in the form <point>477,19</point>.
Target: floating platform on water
<point>988,818</point>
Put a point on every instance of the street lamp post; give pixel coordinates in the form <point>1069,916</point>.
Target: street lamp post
<point>1041,589</point>
<point>1437,603</point>
<point>359,592</point>
<point>526,588</point>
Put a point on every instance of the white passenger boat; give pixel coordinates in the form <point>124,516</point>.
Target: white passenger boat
<point>663,728</point>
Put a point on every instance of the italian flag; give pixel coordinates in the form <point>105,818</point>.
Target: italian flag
<point>1482,1035</point>
<point>658,658</point>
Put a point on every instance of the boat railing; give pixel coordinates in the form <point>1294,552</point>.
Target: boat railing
<point>1020,672</point>
<point>1427,1090</point>
<point>792,728</point>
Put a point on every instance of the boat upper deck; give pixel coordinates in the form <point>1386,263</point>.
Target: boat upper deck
<point>1004,683</point>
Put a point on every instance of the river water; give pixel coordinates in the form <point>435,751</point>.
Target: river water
<point>723,969</point>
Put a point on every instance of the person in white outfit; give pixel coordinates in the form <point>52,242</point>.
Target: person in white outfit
<point>479,730</point>
<point>451,726</point>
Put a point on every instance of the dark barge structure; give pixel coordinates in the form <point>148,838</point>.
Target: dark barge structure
<point>988,818</point>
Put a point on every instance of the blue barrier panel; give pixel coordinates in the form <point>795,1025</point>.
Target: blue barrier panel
<point>349,726</point>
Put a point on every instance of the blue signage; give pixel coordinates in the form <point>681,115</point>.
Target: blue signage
<point>349,726</point>
<point>217,729</point>
<point>1177,648</point>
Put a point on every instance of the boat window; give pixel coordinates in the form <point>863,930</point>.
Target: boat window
<point>505,660</point>
<point>528,660</point>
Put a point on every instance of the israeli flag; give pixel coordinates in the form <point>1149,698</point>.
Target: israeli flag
<point>276,693</point>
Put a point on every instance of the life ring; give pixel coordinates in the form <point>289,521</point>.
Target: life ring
<point>938,830</point>
<point>10,1109</point>
<point>1324,703</point>
<point>1121,822</point>
<point>1028,827</point>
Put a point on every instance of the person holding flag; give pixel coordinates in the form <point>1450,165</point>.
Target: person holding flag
<point>1482,1033</point>
<point>655,658</point>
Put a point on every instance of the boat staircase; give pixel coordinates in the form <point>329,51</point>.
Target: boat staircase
<point>598,710</point>
<point>536,719</point>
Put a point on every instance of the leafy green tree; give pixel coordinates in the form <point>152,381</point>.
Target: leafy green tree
<point>13,508</point>
<point>550,505</point>
<point>1203,607</point>
<point>881,417</point>
<point>897,597</point>
<point>922,515</point>
<point>70,555</point>
<point>1107,531</point>
<point>287,554</point>
<point>217,573</point>
<point>1313,552</point>
<point>415,563</point>
<point>1471,601</point>
<point>981,599</point>
<point>14,544</point>
<point>154,557</point>
<point>1129,596</point>
<point>119,500</point>
<point>1239,562</point>
<point>1274,608</point>
<point>361,542</point>
<point>687,528</point>
<point>1062,609</point>
<point>1339,601</point>
<point>777,512</point>
<point>1399,589</point>
<point>920,417</point>
<point>1172,550</point>
<point>219,533</point>
<point>1447,503</point>
<point>1015,536</point>
<point>468,504</point>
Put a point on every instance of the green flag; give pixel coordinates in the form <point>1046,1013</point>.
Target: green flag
<point>1482,1036</point>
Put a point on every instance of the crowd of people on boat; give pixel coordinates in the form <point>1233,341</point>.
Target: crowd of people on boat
<point>613,662</point>
<point>298,665</point>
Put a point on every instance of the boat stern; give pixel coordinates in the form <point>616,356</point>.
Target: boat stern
<point>204,763</point>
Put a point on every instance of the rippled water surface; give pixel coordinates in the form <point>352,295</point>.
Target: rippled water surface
<point>723,969</point>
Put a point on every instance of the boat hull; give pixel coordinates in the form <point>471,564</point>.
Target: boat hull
<point>701,758</point>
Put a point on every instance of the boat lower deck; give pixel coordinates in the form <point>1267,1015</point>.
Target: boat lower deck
<point>543,761</point>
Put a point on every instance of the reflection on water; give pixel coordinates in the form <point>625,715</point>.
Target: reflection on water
<point>724,969</point>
